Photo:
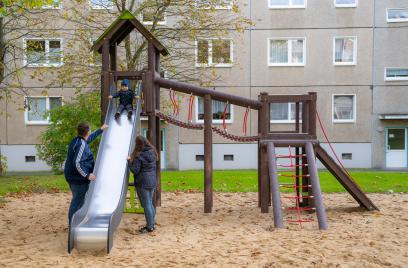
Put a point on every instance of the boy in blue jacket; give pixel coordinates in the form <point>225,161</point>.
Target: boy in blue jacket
<point>79,165</point>
<point>126,97</point>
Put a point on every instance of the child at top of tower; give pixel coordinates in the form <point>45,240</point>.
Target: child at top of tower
<point>126,97</point>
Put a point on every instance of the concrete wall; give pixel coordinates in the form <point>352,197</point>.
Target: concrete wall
<point>16,158</point>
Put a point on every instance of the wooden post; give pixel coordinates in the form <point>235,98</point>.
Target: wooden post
<point>264,185</point>
<point>259,159</point>
<point>312,114</point>
<point>105,80</point>
<point>113,56</point>
<point>156,87</point>
<point>208,168</point>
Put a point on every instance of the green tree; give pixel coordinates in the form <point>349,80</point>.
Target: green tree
<point>55,140</point>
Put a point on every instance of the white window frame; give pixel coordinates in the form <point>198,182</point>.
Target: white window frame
<point>52,6</point>
<point>395,20</point>
<point>289,52</point>
<point>229,7</point>
<point>354,51</point>
<point>99,7</point>
<point>47,51</point>
<point>345,5</point>
<point>210,58</point>
<point>47,108</point>
<point>287,6</point>
<point>286,121</point>
<point>161,23</point>
<point>394,78</point>
<point>345,121</point>
<point>214,121</point>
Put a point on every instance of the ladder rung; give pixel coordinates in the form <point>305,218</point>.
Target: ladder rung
<point>287,166</point>
<point>300,209</point>
<point>295,186</point>
<point>294,176</point>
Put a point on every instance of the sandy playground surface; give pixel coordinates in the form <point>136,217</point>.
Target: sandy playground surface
<point>33,233</point>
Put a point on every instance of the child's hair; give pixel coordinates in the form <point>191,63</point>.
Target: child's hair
<point>141,143</point>
<point>83,129</point>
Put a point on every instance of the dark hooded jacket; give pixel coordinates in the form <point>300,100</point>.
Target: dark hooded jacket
<point>125,97</point>
<point>144,169</point>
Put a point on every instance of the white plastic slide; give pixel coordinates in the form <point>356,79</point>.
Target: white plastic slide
<point>92,227</point>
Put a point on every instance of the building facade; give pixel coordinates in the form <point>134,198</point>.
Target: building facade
<point>350,52</point>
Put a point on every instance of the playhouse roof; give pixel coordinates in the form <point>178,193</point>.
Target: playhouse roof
<point>121,27</point>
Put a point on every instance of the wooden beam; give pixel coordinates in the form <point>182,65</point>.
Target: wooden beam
<point>131,75</point>
<point>264,181</point>
<point>105,79</point>
<point>200,91</point>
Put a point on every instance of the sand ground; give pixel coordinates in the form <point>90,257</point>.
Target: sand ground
<point>33,233</point>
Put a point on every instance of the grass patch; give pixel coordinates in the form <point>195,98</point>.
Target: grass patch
<point>223,181</point>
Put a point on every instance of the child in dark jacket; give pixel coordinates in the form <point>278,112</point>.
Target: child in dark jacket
<point>79,165</point>
<point>142,163</point>
<point>126,97</point>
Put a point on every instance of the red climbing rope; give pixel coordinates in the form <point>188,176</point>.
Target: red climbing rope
<point>245,124</point>
<point>224,115</point>
<point>190,108</point>
<point>331,147</point>
<point>174,102</point>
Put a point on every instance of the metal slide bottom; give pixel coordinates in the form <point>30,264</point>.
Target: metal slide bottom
<point>92,227</point>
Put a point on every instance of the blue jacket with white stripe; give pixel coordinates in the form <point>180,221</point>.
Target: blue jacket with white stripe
<point>80,159</point>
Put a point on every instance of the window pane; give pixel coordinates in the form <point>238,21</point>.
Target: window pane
<point>343,107</point>
<point>344,50</point>
<point>36,52</point>
<point>397,73</point>
<point>218,110</point>
<point>398,14</point>
<point>221,51</point>
<point>279,111</point>
<point>55,55</point>
<point>297,51</point>
<point>293,111</point>
<point>36,109</point>
<point>298,2</point>
<point>279,2</point>
<point>200,111</point>
<point>55,102</point>
<point>202,51</point>
<point>101,3</point>
<point>278,51</point>
<point>345,2</point>
<point>396,139</point>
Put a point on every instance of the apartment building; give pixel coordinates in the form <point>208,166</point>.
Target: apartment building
<point>350,52</point>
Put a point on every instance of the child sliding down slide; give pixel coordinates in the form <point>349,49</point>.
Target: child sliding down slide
<point>126,97</point>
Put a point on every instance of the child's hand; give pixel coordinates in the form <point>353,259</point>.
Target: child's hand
<point>110,97</point>
<point>104,126</point>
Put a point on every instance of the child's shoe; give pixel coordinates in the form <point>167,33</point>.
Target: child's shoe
<point>129,115</point>
<point>117,115</point>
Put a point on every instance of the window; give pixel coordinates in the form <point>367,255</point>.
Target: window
<point>228,157</point>
<point>347,156</point>
<point>214,52</point>
<point>286,52</point>
<point>287,3</point>
<point>397,14</point>
<point>101,4</point>
<point>220,4</point>
<point>37,107</point>
<point>199,157</point>
<point>30,158</point>
<point>148,17</point>
<point>344,108</point>
<point>396,74</point>
<point>217,109</point>
<point>284,112</point>
<point>54,4</point>
<point>345,3</point>
<point>345,51</point>
<point>39,52</point>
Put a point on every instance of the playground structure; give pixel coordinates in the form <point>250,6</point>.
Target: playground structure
<point>302,140</point>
